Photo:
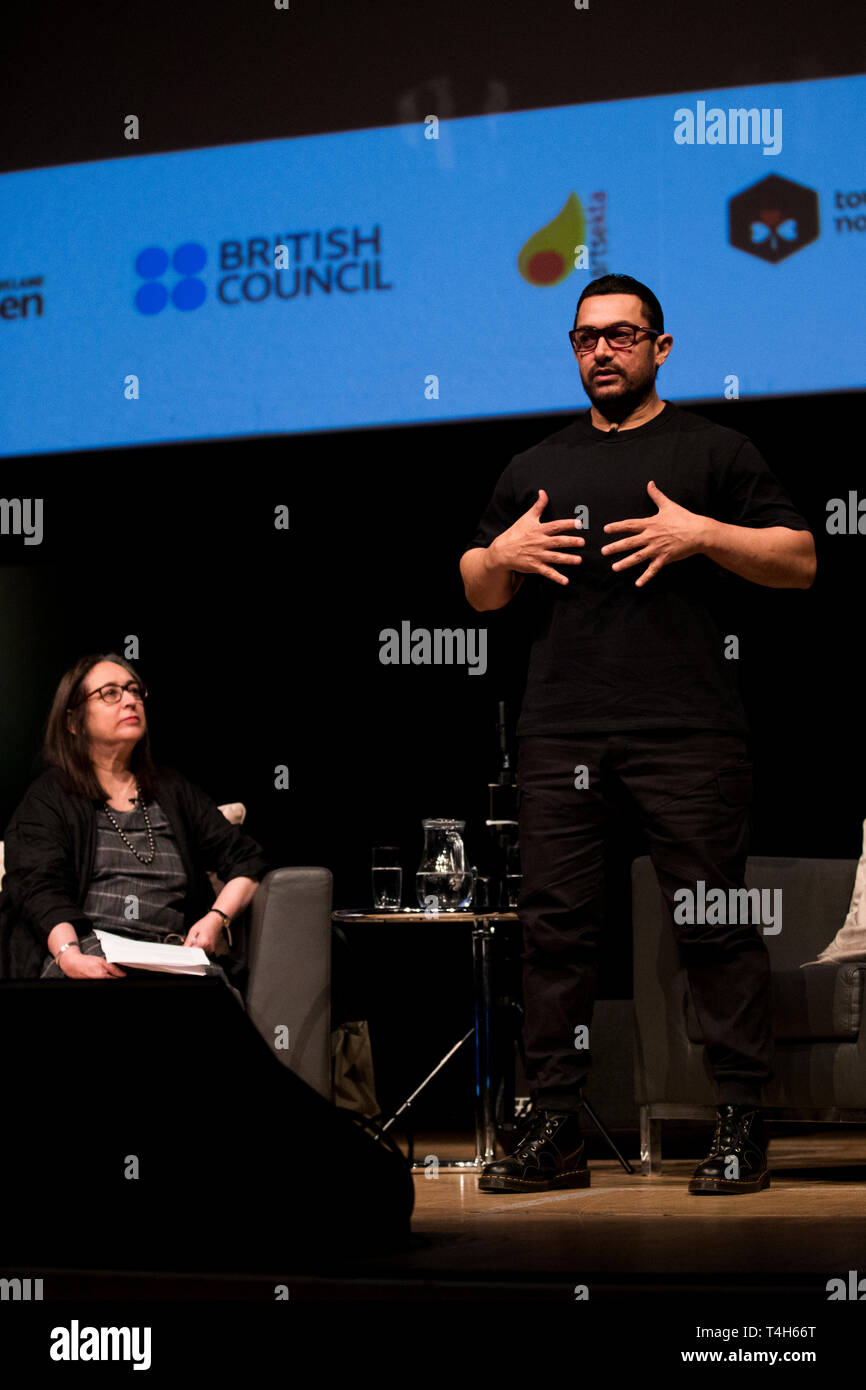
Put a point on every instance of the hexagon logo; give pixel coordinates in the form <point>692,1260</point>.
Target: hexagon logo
<point>773,218</point>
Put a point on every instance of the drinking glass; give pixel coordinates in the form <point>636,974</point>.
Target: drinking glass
<point>387,878</point>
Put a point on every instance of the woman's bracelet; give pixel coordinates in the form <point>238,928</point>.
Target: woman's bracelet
<point>64,947</point>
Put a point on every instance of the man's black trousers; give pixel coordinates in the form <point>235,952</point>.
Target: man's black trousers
<point>690,790</point>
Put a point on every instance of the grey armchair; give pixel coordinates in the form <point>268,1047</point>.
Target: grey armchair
<point>287,933</point>
<point>817,1011</point>
<point>286,939</point>
<point>285,936</point>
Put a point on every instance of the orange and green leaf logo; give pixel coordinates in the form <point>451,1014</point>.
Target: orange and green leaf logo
<point>547,258</point>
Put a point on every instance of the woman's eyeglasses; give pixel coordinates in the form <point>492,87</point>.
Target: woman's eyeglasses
<point>112,693</point>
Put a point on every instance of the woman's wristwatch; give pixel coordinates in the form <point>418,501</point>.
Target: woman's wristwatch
<point>226,921</point>
<point>64,947</point>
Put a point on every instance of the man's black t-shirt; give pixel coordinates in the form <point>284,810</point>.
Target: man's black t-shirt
<point>607,655</point>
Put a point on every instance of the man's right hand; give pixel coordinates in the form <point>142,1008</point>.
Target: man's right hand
<point>78,966</point>
<point>530,546</point>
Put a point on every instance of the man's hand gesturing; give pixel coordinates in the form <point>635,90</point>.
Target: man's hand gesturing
<point>531,546</point>
<point>672,534</point>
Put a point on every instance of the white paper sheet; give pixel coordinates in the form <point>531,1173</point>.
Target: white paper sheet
<point>152,955</point>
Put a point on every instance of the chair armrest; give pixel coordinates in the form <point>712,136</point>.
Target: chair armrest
<point>289,957</point>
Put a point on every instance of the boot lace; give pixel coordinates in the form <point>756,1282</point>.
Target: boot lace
<point>541,1127</point>
<point>730,1133</point>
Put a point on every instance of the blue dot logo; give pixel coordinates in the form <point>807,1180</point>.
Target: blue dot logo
<point>189,292</point>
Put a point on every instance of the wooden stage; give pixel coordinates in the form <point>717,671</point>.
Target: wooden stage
<point>625,1236</point>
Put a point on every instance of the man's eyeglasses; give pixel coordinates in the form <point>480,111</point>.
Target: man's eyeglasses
<point>112,693</point>
<point>616,335</point>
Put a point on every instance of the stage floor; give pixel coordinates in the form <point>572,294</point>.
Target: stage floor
<point>625,1235</point>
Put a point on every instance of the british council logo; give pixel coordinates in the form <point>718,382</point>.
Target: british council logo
<point>186,293</point>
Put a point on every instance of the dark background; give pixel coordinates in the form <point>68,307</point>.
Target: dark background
<point>261,647</point>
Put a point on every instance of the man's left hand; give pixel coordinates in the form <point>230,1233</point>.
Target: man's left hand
<point>672,534</point>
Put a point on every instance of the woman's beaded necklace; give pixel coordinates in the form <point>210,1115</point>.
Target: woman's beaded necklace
<point>150,840</point>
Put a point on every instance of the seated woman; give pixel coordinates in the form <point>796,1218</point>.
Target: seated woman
<point>105,838</point>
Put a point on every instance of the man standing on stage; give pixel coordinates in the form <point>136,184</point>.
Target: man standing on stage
<point>630,691</point>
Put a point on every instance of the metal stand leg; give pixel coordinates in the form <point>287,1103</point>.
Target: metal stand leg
<point>603,1132</point>
<point>650,1144</point>
<point>443,1162</point>
<point>485,1128</point>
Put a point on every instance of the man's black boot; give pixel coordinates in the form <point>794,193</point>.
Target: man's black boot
<point>550,1154</point>
<point>737,1161</point>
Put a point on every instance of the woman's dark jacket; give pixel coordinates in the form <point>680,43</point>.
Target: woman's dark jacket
<point>50,846</point>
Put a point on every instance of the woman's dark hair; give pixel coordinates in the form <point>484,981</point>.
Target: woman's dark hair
<point>71,752</point>
<point>624,284</point>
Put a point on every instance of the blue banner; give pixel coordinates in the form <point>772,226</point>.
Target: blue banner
<point>431,271</point>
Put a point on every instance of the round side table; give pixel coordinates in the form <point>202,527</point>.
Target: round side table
<point>483,930</point>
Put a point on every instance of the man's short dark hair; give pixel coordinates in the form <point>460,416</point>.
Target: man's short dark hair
<point>624,284</point>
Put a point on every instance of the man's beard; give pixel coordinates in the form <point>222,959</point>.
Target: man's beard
<point>618,406</point>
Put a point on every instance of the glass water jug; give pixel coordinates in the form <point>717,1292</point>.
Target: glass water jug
<point>443,883</point>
